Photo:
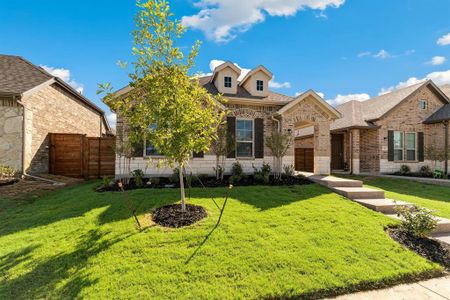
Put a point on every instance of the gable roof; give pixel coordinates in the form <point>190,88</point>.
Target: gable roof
<point>259,68</point>
<point>19,76</point>
<point>227,64</point>
<point>327,107</point>
<point>207,83</point>
<point>362,113</point>
<point>442,114</point>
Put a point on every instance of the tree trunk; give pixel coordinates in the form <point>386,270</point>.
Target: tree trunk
<point>217,167</point>
<point>183,203</point>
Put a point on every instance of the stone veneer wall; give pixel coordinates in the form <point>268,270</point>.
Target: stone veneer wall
<point>409,117</point>
<point>11,124</point>
<point>54,110</point>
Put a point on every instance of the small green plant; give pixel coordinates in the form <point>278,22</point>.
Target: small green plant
<point>138,176</point>
<point>154,181</point>
<point>418,223</point>
<point>7,172</point>
<point>262,175</point>
<point>288,170</point>
<point>425,171</point>
<point>237,173</point>
<point>106,181</point>
<point>405,170</point>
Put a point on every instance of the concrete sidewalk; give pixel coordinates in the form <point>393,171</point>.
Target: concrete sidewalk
<point>437,288</point>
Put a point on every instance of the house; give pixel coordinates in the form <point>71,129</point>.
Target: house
<point>381,134</point>
<point>33,104</point>
<point>253,112</point>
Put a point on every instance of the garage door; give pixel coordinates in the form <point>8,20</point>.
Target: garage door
<point>304,159</point>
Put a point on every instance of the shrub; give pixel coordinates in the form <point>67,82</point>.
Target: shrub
<point>236,169</point>
<point>418,223</point>
<point>138,176</point>
<point>7,172</point>
<point>288,170</point>
<point>154,181</point>
<point>425,171</point>
<point>405,170</point>
<point>175,177</point>
<point>106,181</point>
<point>263,175</point>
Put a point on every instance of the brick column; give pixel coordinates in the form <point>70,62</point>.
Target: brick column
<point>355,150</point>
<point>322,148</point>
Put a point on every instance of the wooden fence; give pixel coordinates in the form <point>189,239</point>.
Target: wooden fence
<point>76,155</point>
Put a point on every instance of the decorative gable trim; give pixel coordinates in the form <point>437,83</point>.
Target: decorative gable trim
<point>259,68</point>
<point>226,64</point>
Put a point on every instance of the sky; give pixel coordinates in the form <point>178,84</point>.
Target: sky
<point>342,49</point>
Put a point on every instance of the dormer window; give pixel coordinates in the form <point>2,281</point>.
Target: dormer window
<point>227,81</point>
<point>259,85</point>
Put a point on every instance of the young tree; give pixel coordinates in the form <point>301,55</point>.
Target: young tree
<point>166,106</point>
<point>278,142</point>
<point>221,147</point>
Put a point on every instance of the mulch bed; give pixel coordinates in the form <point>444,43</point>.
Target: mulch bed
<point>8,181</point>
<point>433,250</point>
<point>172,216</point>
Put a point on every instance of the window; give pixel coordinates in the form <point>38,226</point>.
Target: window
<point>227,81</point>
<point>259,85</point>
<point>244,138</point>
<point>423,104</point>
<point>398,145</point>
<point>411,146</point>
<point>149,149</point>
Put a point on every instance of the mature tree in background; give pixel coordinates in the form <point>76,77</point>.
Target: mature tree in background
<point>278,142</point>
<point>166,106</point>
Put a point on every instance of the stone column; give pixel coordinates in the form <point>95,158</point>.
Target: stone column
<point>322,148</point>
<point>355,150</point>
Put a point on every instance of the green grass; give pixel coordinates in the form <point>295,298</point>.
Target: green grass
<point>271,242</point>
<point>434,197</point>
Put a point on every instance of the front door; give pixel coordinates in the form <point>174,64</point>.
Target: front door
<point>337,151</point>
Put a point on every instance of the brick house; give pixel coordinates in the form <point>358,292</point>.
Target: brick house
<point>381,134</point>
<point>33,104</point>
<point>253,112</point>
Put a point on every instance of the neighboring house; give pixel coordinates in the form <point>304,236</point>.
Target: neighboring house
<point>33,104</point>
<point>253,112</point>
<point>381,134</point>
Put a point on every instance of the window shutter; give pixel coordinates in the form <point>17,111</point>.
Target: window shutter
<point>231,136</point>
<point>259,138</point>
<point>200,154</point>
<point>390,145</point>
<point>420,146</point>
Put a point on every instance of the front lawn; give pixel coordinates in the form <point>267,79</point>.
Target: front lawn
<point>434,197</point>
<point>271,242</point>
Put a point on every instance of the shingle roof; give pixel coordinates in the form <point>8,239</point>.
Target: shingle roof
<point>242,92</point>
<point>18,75</point>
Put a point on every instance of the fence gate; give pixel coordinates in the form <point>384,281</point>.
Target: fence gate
<point>75,155</point>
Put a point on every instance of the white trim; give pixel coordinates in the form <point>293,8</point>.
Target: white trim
<point>253,71</point>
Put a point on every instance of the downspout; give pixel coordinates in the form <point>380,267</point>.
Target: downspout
<point>24,173</point>
<point>446,148</point>
<point>351,150</point>
<point>278,123</point>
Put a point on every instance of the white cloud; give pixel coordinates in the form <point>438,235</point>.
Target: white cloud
<point>279,85</point>
<point>112,118</point>
<point>341,99</point>
<point>382,54</point>
<point>223,20</point>
<point>365,53</point>
<point>217,62</point>
<point>64,74</point>
<point>437,60</point>
<point>439,78</point>
<point>444,40</point>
